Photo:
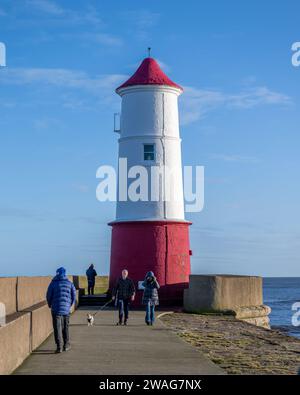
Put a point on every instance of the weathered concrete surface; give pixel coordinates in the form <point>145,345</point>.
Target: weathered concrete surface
<point>264,321</point>
<point>8,293</point>
<point>222,292</point>
<point>14,342</point>
<point>240,296</point>
<point>236,346</point>
<point>256,315</point>
<point>109,349</point>
<point>252,311</point>
<point>31,290</point>
<point>41,324</point>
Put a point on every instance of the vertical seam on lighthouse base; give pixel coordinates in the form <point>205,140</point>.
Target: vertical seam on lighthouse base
<point>166,256</point>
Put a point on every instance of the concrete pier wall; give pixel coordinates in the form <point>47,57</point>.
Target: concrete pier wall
<point>240,296</point>
<point>41,324</point>
<point>28,320</point>
<point>31,290</point>
<point>14,342</point>
<point>8,294</point>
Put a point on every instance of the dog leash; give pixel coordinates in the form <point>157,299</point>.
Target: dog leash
<point>102,307</point>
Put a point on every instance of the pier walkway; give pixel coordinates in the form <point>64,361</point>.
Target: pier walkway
<point>113,350</point>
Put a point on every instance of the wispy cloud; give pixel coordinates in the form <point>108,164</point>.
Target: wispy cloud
<point>83,188</point>
<point>216,180</point>
<point>256,96</point>
<point>196,103</point>
<point>90,220</point>
<point>44,124</point>
<point>70,84</point>
<point>46,6</point>
<point>142,20</point>
<point>64,78</point>
<point>20,213</point>
<point>104,38</point>
<point>48,12</point>
<point>54,10</point>
<point>166,68</point>
<point>59,77</point>
<point>7,103</point>
<point>96,38</point>
<point>2,12</point>
<point>235,158</point>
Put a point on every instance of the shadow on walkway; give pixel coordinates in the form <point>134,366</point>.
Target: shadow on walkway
<point>108,349</point>
<point>43,352</point>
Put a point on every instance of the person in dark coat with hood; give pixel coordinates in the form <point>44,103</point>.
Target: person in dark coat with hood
<point>91,276</point>
<point>61,295</point>
<point>150,297</point>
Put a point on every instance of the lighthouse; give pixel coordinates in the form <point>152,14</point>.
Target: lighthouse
<point>151,233</point>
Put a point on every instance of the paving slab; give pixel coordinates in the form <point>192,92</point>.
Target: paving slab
<point>107,349</point>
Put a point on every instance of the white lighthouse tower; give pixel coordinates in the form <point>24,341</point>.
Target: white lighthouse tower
<point>150,232</point>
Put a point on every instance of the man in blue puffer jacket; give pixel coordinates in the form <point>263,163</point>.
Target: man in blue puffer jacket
<point>61,295</point>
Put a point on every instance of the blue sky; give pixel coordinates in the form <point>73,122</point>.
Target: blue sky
<point>239,118</point>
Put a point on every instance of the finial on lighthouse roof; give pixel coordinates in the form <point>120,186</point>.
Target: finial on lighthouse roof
<point>149,51</point>
<point>149,73</point>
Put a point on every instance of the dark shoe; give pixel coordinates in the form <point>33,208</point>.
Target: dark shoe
<point>119,323</point>
<point>151,323</point>
<point>58,350</point>
<point>147,322</point>
<point>67,347</point>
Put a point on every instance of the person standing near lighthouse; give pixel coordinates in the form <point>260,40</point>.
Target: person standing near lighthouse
<point>124,292</point>
<point>151,234</point>
<point>91,275</point>
<point>150,297</point>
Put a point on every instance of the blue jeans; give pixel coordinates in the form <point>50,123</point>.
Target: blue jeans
<point>150,309</point>
<point>123,309</point>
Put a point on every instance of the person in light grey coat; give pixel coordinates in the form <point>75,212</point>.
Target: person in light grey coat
<point>150,297</point>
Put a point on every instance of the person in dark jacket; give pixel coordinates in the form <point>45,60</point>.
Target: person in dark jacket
<point>61,295</point>
<point>150,297</point>
<point>124,291</point>
<point>91,275</point>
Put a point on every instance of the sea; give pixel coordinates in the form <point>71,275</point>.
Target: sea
<point>282,294</point>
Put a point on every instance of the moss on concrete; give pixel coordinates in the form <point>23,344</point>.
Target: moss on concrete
<point>236,346</point>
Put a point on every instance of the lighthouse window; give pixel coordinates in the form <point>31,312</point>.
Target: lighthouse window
<point>149,153</point>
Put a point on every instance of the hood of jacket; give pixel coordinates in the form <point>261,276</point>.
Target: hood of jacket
<point>149,274</point>
<point>60,274</point>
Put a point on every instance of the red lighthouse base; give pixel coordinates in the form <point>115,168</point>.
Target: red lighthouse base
<point>159,246</point>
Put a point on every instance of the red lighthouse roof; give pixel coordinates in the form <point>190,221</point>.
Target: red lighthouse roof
<point>149,73</point>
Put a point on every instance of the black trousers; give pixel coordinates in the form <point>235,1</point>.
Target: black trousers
<point>61,329</point>
<point>91,286</point>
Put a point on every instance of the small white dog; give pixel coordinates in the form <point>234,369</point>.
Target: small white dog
<point>90,319</point>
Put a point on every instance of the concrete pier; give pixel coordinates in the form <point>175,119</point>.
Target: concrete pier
<point>26,322</point>
<point>109,349</point>
<point>240,296</point>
